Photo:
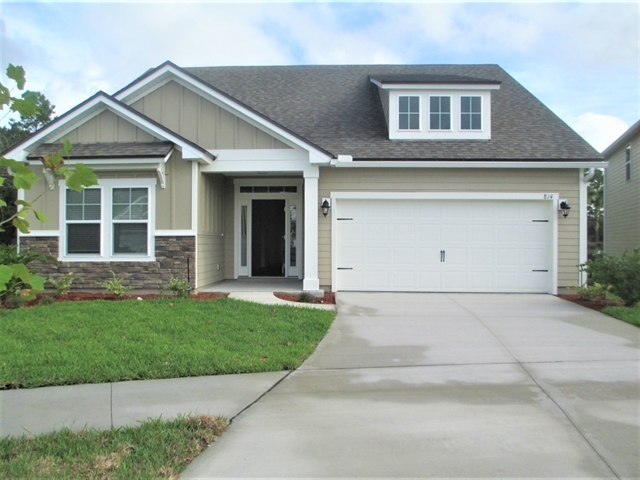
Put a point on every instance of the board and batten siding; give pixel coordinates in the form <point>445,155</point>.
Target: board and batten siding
<point>211,222</point>
<point>201,121</point>
<point>107,127</point>
<point>562,181</point>
<point>173,205</point>
<point>622,201</point>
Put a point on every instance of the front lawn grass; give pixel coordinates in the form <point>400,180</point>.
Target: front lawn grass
<point>626,314</point>
<point>106,341</point>
<point>155,449</point>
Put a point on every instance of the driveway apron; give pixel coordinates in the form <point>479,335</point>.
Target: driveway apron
<point>448,385</point>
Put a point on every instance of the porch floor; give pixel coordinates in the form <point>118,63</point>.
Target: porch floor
<point>256,285</point>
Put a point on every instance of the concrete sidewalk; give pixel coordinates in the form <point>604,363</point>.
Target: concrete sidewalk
<point>105,405</point>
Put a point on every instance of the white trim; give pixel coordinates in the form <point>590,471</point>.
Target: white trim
<point>551,198</point>
<point>445,196</point>
<point>462,164</point>
<point>128,96</point>
<point>175,233</point>
<point>583,232</point>
<point>260,154</point>
<point>40,233</point>
<point>311,281</point>
<point>95,107</point>
<point>195,183</point>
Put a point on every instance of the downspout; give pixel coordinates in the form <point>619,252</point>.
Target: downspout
<point>583,247</point>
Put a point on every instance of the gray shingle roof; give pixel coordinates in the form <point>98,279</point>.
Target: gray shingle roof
<point>338,109</point>
<point>107,150</point>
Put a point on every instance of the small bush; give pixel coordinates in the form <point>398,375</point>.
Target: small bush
<point>306,297</point>
<point>114,286</point>
<point>180,288</point>
<point>47,300</point>
<point>622,273</point>
<point>63,284</point>
<point>594,292</point>
<point>23,284</point>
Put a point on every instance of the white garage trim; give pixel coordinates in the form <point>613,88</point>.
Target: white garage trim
<point>550,198</point>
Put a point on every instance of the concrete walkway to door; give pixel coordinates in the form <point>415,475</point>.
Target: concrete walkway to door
<point>448,385</point>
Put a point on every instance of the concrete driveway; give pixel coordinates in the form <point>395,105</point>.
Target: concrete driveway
<point>448,385</point>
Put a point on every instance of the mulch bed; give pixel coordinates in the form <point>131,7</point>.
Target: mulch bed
<point>83,296</point>
<point>594,305</point>
<point>328,298</point>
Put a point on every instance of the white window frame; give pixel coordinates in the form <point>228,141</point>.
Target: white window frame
<point>470,129</point>
<point>627,163</point>
<point>106,224</point>
<point>409,129</point>
<point>450,113</point>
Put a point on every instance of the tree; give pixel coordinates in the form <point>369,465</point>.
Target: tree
<point>595,211</point>
<point>15,278</point>
<point>21,128</point>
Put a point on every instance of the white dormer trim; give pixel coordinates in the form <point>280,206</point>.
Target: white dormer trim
<point>168,72</point>
<point>94,107</point>
<point>435,86</point>
<point>455,132</point>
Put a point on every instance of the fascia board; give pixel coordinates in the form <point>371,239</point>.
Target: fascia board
<point>162,76</point>
<point>467,164</point>
<point>436,86</point>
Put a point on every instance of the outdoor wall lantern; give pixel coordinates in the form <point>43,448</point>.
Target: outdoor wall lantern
<point>326,205</point>
<point>564,207</point>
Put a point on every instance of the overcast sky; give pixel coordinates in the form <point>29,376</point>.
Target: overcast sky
<point>580,58</point>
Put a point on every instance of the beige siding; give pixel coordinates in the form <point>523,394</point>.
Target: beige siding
<point>622,201</point>
<point>211,242</point>
<point>564,182</point>
<point>107,127</point>
<point>48,202</point>
<point>229,232</point>
<point>201,121</point>
<point>174,202</point>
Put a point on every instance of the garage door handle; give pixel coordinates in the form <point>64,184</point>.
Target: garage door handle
<point>539,270</point>
<point>345,268</point>
<point>442,255</point>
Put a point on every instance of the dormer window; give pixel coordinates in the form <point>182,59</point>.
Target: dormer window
<point>436,106</point>
<point>408,112</point>
<point>471,113</point>
<point>440,113</point>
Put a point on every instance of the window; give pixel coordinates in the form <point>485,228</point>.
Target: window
<point>409,113</point>
<point>83,221</point>
<point>440,113</point>
<point>471,113</point>
<point>627,162</point>
<point>130,213</point>
<point>114,221</point>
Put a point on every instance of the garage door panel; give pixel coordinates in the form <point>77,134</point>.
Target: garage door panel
<point>488,245</point>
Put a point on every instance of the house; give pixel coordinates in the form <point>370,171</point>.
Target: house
<point>622,193</point>
<point>367,177</point>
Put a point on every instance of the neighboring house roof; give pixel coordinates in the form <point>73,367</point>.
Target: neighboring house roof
<point>626,137</point>
<point>106,150</point>
<point>339,109</point>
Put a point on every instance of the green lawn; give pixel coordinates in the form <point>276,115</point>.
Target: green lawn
<point>626,314</point>
<point>106,341</point>
<point>155,449</point>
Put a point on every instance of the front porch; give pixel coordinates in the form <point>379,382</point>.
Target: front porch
<point>262,284</point>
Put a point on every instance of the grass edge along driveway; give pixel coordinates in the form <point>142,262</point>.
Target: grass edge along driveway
<point>107,341</point>
<point>154,449</point>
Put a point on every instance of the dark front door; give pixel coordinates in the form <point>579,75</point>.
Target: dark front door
<point>267,242</point>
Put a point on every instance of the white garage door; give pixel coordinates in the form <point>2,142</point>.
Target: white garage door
<point>443,245</point>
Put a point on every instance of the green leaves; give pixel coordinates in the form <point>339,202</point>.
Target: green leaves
<point>17,74</point>
<point>83,176</point>
<point>23,176</point>
<point>27,105</point>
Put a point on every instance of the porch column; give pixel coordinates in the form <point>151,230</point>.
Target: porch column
<point>311,282</point>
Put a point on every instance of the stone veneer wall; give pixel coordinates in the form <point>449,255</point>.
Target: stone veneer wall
<point>171,261</point>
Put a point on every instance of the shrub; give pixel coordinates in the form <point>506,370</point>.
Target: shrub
<point>622,273</point>
<point>63,284</point>
<point>594,292</point>
<point>306,297</point>
<point>180,288</point>
<point>47,300</point>
<point>114,286</point>
<point>22,283</point>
